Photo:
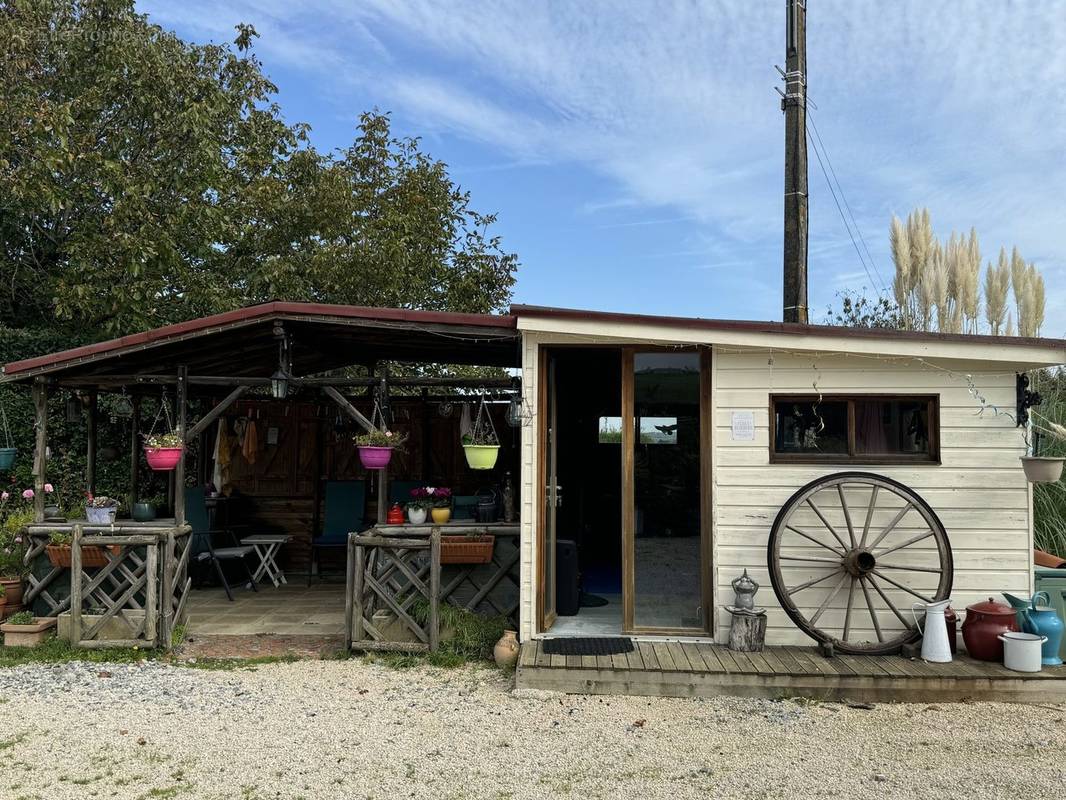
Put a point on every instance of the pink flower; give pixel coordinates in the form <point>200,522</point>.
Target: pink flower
<point>49,488</point>
<point>4,496</point>
<point>27,494</point>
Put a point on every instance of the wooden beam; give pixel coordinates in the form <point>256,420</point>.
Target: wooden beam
<point>135,451</point>
<point>348,408</point>
<point>40,405</point>
<point>90,440</point>
<point>179,472</point>
<point>214,413</point>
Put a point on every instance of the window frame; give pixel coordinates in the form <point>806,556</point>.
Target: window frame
<point>930,457</point>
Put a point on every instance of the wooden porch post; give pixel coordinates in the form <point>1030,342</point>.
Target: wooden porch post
<point>90,439</point>
<point>40,404</point>
<point>135,450</point>
<point>179,472</point>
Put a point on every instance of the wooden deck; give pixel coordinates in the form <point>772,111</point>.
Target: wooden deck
<point>674,669</point>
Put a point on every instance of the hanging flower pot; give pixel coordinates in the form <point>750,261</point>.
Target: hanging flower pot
<point>163,451</point>
<point>376,446</point>
<point>1042,469</point>
<point>481,456</point>
<point>7,457</point>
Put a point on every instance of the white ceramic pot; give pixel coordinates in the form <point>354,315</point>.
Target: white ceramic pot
<point>1042,469</point>
<point>101,516</point>
<point>416,516</point>
<point>1021,651</point>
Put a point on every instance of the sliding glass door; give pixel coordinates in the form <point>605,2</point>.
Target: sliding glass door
<point>666,491</point>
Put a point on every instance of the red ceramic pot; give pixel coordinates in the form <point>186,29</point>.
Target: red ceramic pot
<point>395,515</point>
<point>984,623</point>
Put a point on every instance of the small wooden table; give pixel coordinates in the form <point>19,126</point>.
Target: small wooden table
<point>266,547</point>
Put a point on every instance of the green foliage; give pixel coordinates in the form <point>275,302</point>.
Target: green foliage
<point>162,440</point>
<point>379,438</point>
<point>859,311</point>
<point>60,538</point>
<point>466,638</point>
<point>20,618</point>
<point>146,180</point>
<point>56,650</point>
<point>1049,499</point>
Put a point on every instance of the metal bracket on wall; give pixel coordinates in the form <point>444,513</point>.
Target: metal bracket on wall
<point>1025,399</point>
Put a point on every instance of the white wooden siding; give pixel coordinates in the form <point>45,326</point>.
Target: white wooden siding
<point>979,491</point>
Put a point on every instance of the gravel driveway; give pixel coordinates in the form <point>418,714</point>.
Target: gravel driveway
<point>348,729</point>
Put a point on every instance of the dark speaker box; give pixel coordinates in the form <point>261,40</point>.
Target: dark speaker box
<point>567,595</point>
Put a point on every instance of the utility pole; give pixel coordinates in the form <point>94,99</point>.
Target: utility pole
<point>794,104</point>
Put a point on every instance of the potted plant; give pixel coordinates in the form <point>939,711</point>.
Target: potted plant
<point>1043,469</point>
<point>439,499</point>
<point>163,450</point>
<point>376,446</point>
<point>7,454</point>
<point>59,546</point>
<point>25,630</point>
<point>481,451</point>
<point>418,506</point>
<point>14,517</point>
<point>100,510</point>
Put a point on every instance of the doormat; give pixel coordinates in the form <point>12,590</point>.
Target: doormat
<point>586,646</point>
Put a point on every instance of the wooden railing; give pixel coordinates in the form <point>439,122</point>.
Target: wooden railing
<point>134,598</point>
<point>396,584</point>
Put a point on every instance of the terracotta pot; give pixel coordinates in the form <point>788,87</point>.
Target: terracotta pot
<point>91,555</point>
<point>506,650</point>
<point>466,549</point>
<point>12,590</point>
<point>985,621</point>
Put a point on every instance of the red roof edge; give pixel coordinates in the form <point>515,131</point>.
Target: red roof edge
<point>791,328</point>
<point>262,311</point>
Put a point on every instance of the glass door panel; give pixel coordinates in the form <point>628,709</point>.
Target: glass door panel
<point>551,497</point>
<point>666,542</point>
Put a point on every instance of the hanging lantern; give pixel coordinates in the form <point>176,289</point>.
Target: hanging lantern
<point>122,407</point>
<point>73,408</point>
<point>279,385</point>
<point>514,411</point>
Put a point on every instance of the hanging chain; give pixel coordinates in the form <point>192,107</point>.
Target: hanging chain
<point>484,430</point>
<point>163,410</point>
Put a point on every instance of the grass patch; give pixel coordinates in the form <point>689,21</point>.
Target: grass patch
<point>470,639</point>
<point>18,738</point>
<point>227,664</point>
<point>54,651</point>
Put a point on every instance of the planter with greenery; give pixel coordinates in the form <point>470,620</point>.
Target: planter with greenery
<point>163,451</point>
<point>25,630</point>
<point>15,514</point>
<point>59,546</point>
<point>418,508</point>
<point>101,509</point>
<point>376,446</point>
<point>481,445</point>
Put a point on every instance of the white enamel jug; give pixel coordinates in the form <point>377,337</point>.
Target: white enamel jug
<point>935,645</point>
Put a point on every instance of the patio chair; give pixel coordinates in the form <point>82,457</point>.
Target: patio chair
<point>203,548</point>
<point>400,491</point>
<point>345,512</point>
<point>464,506</point>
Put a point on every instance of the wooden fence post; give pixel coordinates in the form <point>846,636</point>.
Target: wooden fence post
<point>179,472</point>
<point>357,631</point>
<point>40,404</point>
<point>434,590</point>
<point>75,586</point>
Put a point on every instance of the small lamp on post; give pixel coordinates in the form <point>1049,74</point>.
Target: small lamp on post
<point>279,384</point>
<point>279,381</point>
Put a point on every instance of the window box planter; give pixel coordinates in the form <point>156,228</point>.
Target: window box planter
<point>27,635</point>
<point>466,549</point>
<point>163,459</point>
<point>481,456</point>
<point>374,457</point>
<point>91,555</point>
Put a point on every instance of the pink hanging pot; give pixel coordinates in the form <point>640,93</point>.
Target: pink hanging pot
<point>375,457</point>
<point>163,459</point>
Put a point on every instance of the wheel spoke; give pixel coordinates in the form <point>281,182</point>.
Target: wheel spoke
<point>883,565</point>
<point>847,514</point>
<point>892,525</point>
<point>825,522</point>
<point>873,614</point>
<point>888,602</point>
<point>829,599</point>
<point>847,614</point>
<point>869,517</point>
<point>803,586</point>
<point>805,535</point>
<point>907,589</point>
<point>812,559</point>
<point>907,543</point>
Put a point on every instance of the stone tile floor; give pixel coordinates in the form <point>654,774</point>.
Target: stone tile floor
<point>292,609</point>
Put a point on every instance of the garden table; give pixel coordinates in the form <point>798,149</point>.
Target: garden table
<point>266,547</point>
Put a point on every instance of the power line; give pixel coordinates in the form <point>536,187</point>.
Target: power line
<point>847,205</point>
<point>843,217</point>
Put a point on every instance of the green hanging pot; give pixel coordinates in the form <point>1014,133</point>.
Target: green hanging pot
<point>7,457</point>
<point>481,456</point>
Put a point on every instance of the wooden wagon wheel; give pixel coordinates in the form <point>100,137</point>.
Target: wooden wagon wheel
<point>849,553</point>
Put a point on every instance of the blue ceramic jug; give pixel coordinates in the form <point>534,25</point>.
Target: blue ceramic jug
<point>1042,620</point>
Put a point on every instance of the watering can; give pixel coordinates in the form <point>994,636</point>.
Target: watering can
<point>1042,620</point>
<point>935,644</point>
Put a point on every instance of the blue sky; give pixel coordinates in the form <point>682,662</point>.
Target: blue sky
<point>634,150</point>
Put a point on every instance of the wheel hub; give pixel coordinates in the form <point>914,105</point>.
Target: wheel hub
<point>859,562</point>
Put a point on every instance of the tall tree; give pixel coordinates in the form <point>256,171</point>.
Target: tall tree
<point>144,179</point>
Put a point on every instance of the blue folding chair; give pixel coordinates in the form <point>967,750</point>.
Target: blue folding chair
<point>400,491</point>
<point>203,548</point>
<point>345,512</point>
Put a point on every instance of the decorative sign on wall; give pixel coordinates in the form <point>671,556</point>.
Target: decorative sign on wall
<point>272,435</point>
<point>743,426</point>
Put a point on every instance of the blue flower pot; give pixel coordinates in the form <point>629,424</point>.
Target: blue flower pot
<point>7,457</point>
